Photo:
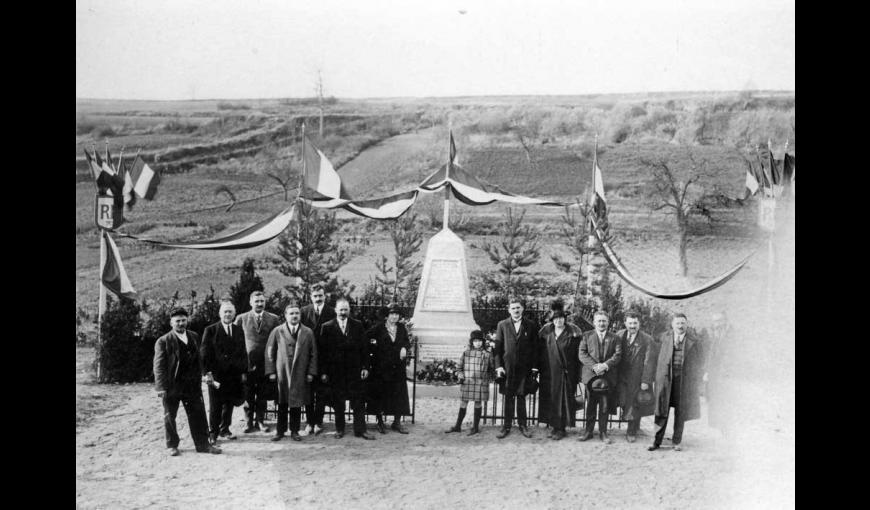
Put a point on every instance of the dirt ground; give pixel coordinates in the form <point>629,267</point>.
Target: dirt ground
<point>121,461</point>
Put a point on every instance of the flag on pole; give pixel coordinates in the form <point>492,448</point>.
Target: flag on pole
<point>114,277</point>
<point>321,182</point>
<point>453,158</point>
<point>751,181</point>
<point>599,205</point>
<point>93,166</point>
<point>775,176</point>
<point>143,178</point>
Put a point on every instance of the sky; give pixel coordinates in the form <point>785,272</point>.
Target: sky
<point>222,49</point>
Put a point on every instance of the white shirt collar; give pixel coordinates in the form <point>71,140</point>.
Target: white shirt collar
<point>182,337</point>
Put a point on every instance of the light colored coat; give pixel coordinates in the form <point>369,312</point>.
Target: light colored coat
<point>292,361</point>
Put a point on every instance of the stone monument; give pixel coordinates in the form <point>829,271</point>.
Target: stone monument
<point>442,317</point>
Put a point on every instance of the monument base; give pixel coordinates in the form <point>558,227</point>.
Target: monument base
<point>442,343</point>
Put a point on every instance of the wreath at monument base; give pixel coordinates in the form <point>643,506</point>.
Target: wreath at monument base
<point>441,372</point>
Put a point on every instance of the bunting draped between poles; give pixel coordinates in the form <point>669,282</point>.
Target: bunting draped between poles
<point>249,237</point>
<point>617,265</point>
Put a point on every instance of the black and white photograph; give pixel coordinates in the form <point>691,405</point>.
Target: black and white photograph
<point>495,254</point>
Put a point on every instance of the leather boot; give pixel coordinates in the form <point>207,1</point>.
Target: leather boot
<point>475,429</point>
<point>458,426</point>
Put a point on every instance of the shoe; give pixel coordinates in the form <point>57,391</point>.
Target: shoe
<point>678,447</point>
<point>339,435</point>
<point>453,429</point>
<point>585,437</point>
<point>295,436</point>
<point>525,432</point>
<point>473,431</point>
<point>653,447</point>
<point>605,438</point>
<point>306,431</point>
<point>277,437</point>
<point>264,427</point>
<point>503,433</point>
<point>250,428</point>
<point>365,436</point>
<point>317,430</point>
<point>213,450</point>
<point>382,428</point>
<point>557,435</point>
<point>212,440</point>
<point>228,435</point>
<point>173,452</point>
<point>398,428</point>
<point>631,438</point>
<point>550,434</point>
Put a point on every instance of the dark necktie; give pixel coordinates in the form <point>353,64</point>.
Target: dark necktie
<point>259,321</point>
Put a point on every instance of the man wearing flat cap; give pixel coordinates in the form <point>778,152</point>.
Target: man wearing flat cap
<point>178,379</point>
<point>600,354</point>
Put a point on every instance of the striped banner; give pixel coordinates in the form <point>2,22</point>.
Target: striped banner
<point>255,235</point>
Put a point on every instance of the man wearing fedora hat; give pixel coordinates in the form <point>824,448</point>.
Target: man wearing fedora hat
<point>178,379</point>
<point>636,353</point>
<point>600,354</point>
<point>678,371</point>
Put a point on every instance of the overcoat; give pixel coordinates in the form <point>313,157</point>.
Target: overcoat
<point>166,361</point>
<point>634,358</point>
<point>292,361</point>
<point>560,372</point>
<point>388,377</point>
<point>343,357</point>
<point>475,368</point>
<point>661,372</point>
<point>722,369</point>
<point>517,354</point>
<point>226,358</point>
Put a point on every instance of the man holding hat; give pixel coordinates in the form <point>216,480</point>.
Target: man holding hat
<point>177,379</point>
<point>600,354</point>
<point>679,371</point>
<point>257,324</point>
<point>636,354</point>
<point>516,354</point>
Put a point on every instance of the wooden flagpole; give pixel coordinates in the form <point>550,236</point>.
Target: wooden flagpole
<point>101,307</point>
<point>590,241</point>
<point>446,221</point>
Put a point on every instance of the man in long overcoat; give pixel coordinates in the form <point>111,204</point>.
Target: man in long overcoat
<point>679,370</point>
<point>291,361</point>
<point>637,351</point>
<point>516,354</point>
<point>314,316</point>
<point>722,372</point>
<point>178,379</point>
<point>345,367</point>
<point>224,363</point>
<point>600,354</point>
<point>257,324</point>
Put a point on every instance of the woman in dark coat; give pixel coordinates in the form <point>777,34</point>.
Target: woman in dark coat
<point>390,345</point>
<point>560,343</point>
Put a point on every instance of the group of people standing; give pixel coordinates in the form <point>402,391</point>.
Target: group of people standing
<point>318,356</point>
<point>603,370</point>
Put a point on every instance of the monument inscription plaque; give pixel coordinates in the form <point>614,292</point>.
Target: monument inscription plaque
<point>442,317</point>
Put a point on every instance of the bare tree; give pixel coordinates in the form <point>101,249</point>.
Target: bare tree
<point>285,182</point>
<point>678,189</point>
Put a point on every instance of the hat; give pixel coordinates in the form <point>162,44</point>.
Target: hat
<point>644,397</point>
<point>557,309</point>
<point>598,384</point>
<point>178,311</point>
<point>394,308</point>
<point>531,386</point>
<point>477,335</point>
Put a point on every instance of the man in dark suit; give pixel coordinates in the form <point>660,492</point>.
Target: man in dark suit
<point>314,316</point>
<point>636,353</point>
<point>516,360</point>
<point>345,367</point>
<point>177,379</point>
<point>679,371</point>
<point>256,324</point>
<point>600,354</point>
<point>224,363</point>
